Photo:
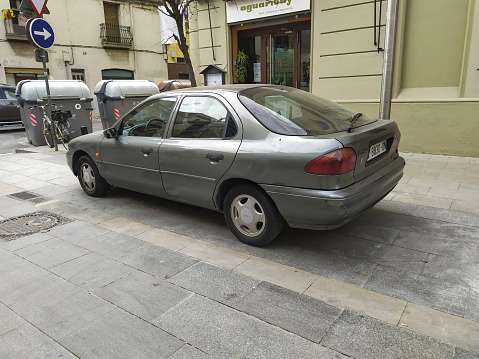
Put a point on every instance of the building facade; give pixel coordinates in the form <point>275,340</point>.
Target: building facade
<point>94,40</point>
<point>334,48</point>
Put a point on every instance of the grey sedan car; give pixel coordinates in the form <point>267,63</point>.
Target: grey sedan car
<point>261,154</point>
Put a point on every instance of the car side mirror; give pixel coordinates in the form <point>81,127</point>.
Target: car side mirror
<point>110,133</point>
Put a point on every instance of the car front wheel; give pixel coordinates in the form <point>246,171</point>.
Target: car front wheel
<point>251,215</point>
<point>90,179</point>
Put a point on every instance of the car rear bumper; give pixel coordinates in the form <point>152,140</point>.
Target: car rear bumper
<point>319,209</point>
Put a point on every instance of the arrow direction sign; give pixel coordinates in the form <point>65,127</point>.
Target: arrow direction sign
<point>38,6</point>
<point>40,33</point>
<point>43,33</point>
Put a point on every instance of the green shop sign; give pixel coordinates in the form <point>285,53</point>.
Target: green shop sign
<point>244,10</point>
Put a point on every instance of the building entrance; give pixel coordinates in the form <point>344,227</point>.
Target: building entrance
<point>277,54</point>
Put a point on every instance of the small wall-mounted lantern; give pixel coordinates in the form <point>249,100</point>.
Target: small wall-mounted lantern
<point>213,75</point>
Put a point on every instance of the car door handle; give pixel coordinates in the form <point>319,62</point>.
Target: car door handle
<point>146,150</point>
<point>215,157</point>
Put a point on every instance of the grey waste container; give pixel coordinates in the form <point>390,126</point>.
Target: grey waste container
<point>65,94</point>
<point>117,97</point>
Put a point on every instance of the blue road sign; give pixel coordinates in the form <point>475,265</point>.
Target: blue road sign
<point>40,33</point>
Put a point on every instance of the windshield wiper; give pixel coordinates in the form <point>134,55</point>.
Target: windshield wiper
<point>353,121</point>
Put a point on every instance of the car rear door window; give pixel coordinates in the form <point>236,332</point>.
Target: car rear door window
<point>150,119</point>
<point>294,112</point>
<point>203,117</point>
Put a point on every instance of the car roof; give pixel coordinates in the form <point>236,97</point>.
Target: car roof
<point>220,88</point>
<point>7,86</point>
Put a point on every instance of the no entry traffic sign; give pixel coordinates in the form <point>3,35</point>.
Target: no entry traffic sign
<point>38,6</point>
<point>40,33</point>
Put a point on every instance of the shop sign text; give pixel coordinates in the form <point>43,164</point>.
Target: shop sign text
<point>244,10</point>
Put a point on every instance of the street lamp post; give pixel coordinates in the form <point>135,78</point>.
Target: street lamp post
<point>388,60</point>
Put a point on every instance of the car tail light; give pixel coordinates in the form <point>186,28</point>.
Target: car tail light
<point>333,163</point>
<point>397,139</point>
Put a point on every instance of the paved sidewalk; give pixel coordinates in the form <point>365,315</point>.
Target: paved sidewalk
<point>125,276</point>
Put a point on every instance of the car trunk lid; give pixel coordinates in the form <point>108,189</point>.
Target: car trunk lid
<point>375,144</point>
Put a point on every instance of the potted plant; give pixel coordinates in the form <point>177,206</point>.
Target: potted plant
<point>241,63</point>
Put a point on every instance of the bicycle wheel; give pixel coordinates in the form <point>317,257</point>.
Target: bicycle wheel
<point>47,131</point>
<point>60,130</point>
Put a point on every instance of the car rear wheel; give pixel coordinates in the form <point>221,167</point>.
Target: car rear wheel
<point>90,179</point>
<point>251,215</point>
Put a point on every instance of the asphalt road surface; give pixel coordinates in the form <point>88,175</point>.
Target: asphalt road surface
<point>12,138</point>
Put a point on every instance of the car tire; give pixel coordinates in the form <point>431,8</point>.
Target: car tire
<point>90,179</point>
<point>251,215</point>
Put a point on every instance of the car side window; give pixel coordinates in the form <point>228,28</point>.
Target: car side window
<point>150,119</point>
<point>10,94</point>
<point>203,117</point>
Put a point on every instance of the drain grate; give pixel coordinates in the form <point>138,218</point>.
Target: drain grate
<point>28,196</point>
<point>31,223</point>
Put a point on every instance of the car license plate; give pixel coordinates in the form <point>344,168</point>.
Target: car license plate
<point>377,149</point>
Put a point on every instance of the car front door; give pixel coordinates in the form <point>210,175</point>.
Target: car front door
<point>131,159</point>
<point>203,143</point>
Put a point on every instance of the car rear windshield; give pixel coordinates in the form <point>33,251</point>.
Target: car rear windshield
<point>290,111</point>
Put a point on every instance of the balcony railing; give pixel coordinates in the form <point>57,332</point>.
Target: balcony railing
<point>14,31</point>
<point>116,36</point>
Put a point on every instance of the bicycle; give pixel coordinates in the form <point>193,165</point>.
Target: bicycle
<point>62,126</point>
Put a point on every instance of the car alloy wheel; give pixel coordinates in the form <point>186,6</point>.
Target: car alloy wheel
<point>248,215</point>
<point>87,176</point>
<point>90,179</point>
<point>251,215</point>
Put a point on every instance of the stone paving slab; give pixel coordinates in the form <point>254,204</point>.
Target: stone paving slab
<point>11,207</point>
<point>215,255</point>
<point>76,231</point>
<point>143,295</point>
<point>219,284</point>
<point>362,337</point>
<point>9,320</point>
<point>112,245</point>
<point>443,326</point>
<point>211,327</point>
<point>30,343</point>
<point>23,242</point>
<point>189,352</point>
<point>165,239</point>
<point>21,278</point>
<point>463,354</point>
<point>119,334</point>
<point>61,309</point>
<point>472,306</point>
<point>444,296</point>
<point>344,295</point>
<point>278,274</point>
<point>276,343</point>
<point>92,271</point>
<point>298,314</point>
<point>157,261</point>
<point>52,252</point>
